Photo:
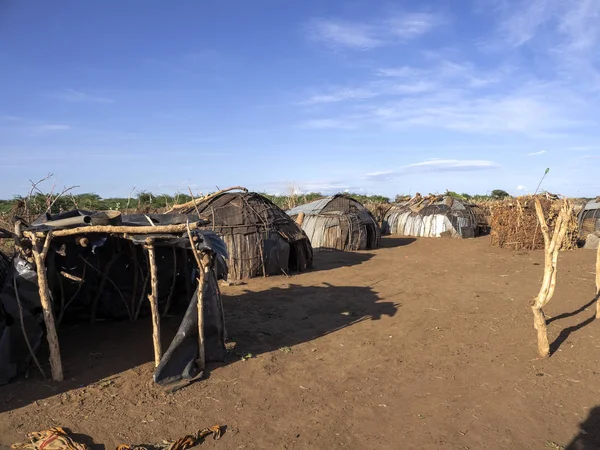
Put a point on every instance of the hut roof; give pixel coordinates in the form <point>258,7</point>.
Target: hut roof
<point>590,206</point>
<point>326,204</point>
<point>245,213</point>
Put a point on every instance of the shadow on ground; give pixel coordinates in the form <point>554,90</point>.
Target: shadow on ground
<point>588,437</point>
<point>334,259</point>
<point>258,322</point>
<point>391,242</point>
<point>261,322</point>
<point>565,333</point>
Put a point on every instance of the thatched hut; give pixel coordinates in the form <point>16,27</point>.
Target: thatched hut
<point>261,238</point>
<point>589,219</point>
<point>435,216</point>
<point>337,223</point>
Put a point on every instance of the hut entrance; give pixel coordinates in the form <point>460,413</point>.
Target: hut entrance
<point>371,236</point>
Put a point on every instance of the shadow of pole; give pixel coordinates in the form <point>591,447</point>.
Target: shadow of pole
<point>572,313</point>
<point>564,334</point>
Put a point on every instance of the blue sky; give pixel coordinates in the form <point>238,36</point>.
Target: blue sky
<point>375,97</point>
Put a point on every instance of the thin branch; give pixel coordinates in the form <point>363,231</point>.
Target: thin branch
<point>37,363</point>
<point>193,203</point>
<point>110,281</point>
<point>64,191</point>
<point>129,200</point>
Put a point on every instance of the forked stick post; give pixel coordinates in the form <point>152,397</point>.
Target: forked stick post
<point>551,248</point>
<point>153,298</point>
<point>40,264</point>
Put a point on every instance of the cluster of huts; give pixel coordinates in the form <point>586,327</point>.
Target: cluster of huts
<point>86,265</point>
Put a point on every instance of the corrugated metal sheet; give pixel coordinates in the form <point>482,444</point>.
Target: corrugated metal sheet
<point>591,205</point>
<point>339,223</point>
<point>406,223</point>
<point>589,219</point>
<point>310,208</point>
<point>324,232</point>
<point>436,219</point>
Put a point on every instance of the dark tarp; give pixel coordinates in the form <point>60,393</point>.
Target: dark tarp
<point>111,302</point>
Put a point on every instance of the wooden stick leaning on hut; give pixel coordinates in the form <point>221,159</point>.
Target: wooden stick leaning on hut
<point>194,203</point>
<point>39,256</point>
<point>551,248</point>
<point>153,299</point>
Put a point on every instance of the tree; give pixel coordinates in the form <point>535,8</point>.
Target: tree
<point>499,194</point>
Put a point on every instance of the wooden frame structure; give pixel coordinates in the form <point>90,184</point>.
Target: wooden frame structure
<point>40,245</point>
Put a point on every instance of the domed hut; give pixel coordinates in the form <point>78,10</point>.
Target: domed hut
<point>435,216</point>
<point>337,223</point>
<point>589,218</point>
<point>261,238</point>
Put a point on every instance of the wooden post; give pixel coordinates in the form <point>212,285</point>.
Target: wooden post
<point>598,283</point>
<point>40,263</point>
<point>201,350</point>
<point>551,249</point>
<point>201,279</point>
<point>153,298</point>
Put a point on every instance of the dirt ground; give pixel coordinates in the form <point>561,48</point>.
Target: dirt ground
<point>422,344</point>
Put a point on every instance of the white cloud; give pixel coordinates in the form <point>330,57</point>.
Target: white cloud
<point>453,165</point>
<point>71,95</point>
<point>381,176</point>
<point>367,35</point>
<point>459,96</point>
<point>11,118</point>
<point>521,188</point>
<point>565,32</point>
<point>556,96</point>
<point>307,186</point>
<point>339,95</point>
<point>344,34</point>
<point>541,152</point>
<point>408,26</point>
<point>320,124</point>
<point>52,127</point>
<point>433,165</point>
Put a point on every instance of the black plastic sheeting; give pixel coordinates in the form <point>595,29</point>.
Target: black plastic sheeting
<point>178,363</point>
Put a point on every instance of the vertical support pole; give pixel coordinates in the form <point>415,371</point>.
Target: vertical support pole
<point>153,298</point>
<point>40,264</point>
<point>201,350</point>
<point>201,279</point>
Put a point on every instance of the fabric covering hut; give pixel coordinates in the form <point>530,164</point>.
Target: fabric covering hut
<point>82,266</point>
<point>435,216</point>
<point>589,219</point>
<point>337,223</point>
<point>261,238</point>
